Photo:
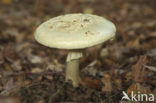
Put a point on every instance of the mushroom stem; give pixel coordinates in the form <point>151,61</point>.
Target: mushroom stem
<point>72,70</point>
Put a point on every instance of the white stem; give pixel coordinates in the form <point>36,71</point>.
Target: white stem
<point>72,70</point>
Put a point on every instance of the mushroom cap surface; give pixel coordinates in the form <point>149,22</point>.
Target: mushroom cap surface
<point>75,31</point>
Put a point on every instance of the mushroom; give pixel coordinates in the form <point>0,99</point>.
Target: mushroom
<point>74,32</point>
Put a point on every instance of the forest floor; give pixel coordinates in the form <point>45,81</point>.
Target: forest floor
<point>32,73</point>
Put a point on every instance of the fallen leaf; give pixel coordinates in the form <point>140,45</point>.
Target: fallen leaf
<point>90,69</point>
<point>49,77</point>
<point>118,83</point>
<point>137,25</point>
<point>27,82</point>
<point>117,51</point>
<point>9,100</point>
<point>17,65</point>
<point>138,70</point>
<point>11,86</point>
<point>133,44</point>
<point>104,52</point>
<point>9,53</point>
<point>8,87</point>
<point>40,101</point>
<point>152,53</point>
<point>54,67</point>
<point>149,45</point>
<point>153,34</point>
<point>7,1</point>
<point>132,87</point>
<point>152,68</point>
<point>7,67</point>
<point>137,87</point>
<point>92,83</point>
<point>35,59</point>
<point>36,70</point>
<point>107,84</point>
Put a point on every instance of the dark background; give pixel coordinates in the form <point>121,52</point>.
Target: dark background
<point>32,73</point>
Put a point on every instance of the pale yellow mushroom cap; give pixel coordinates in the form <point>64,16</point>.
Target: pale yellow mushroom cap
<point>75,31</point>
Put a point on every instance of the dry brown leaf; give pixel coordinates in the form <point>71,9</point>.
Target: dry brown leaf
<point>118,83</point>
<point>7,1</point>
<point>11,86</point>
<point>138,70</point>
<point>151,23</point>
<point>133,44</point>
<point>90,69</point>
<point>137,87</point>
<point>133,88</point>
<point>9,53</point>
<point>153,34</point>
<point>36,70</point>
<point>92,83</point>
<point>128,76</point>
<point>27,82</point>
<point>149,45</point>
<point>17,65</point>
<point>7,67</point>
<point>35,59</point>
<point>104,52</point>
<point>22,46</point>
<point>117,51</point>
<point>8,87</point>
<point>107,84</point>
<point>137,25</point>
<point>54,67</point>
<point>9,100</point>
<point>49,77</point>
<point>40,101</point>
<point>151,53</point>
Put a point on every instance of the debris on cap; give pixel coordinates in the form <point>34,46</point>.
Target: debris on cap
<point>75,31</point>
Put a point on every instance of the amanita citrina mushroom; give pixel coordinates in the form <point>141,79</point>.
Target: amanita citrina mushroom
<point>74,32</point>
